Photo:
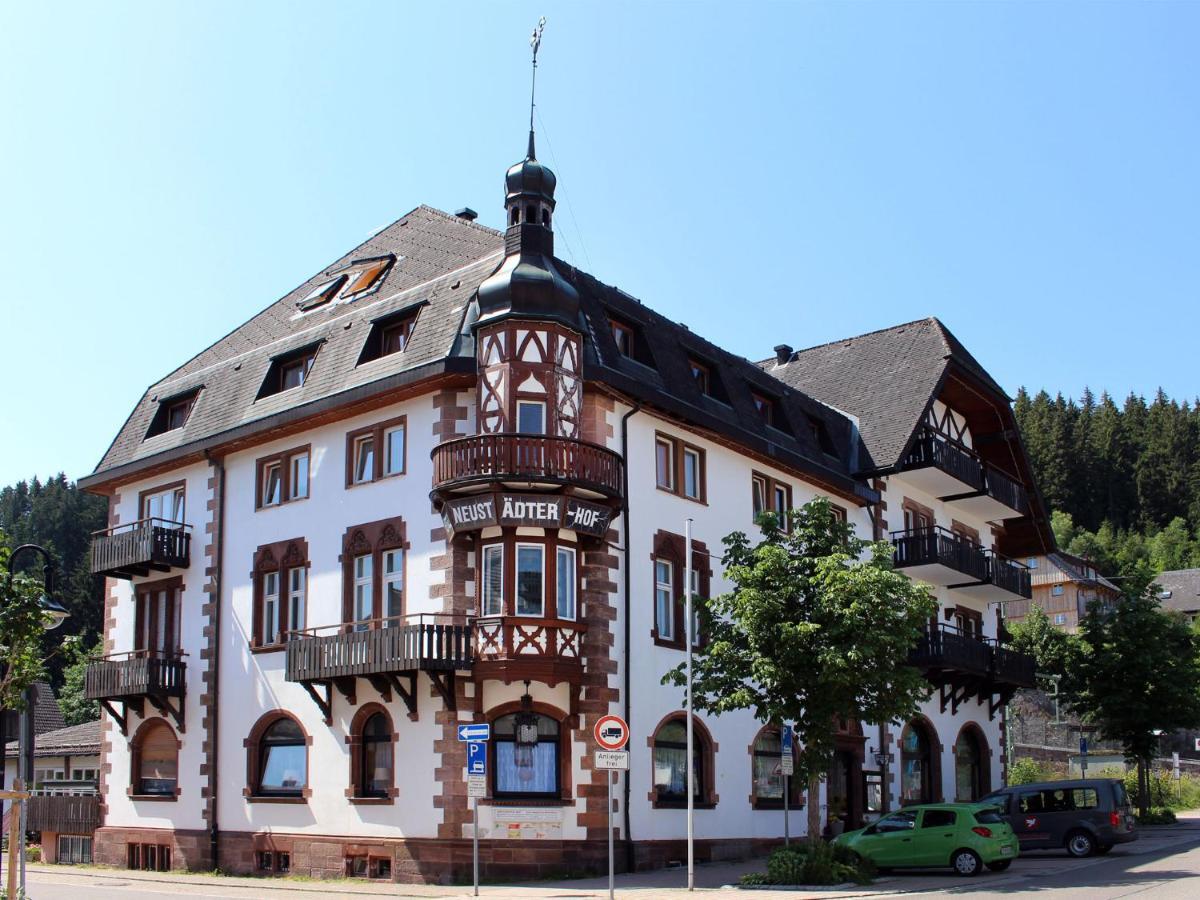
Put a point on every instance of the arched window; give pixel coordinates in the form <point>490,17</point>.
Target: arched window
<point>971,779</point>
<point>670,764</point>
<point>155,760</point>
<point>527,764</point>
<point>282,760</point>
<point>376,759</point>
<point>546,217</point>
<point>917,775</point>
<point>514,217</point>
<point>766,756</point>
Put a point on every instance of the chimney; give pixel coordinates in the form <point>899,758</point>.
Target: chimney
<point>783,354</point>
<point>467,213</point>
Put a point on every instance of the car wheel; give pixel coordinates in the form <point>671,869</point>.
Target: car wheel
<point>966,862</point>
<point>1103,848</point>
<point>999,865</point>
<point>1080,844</point>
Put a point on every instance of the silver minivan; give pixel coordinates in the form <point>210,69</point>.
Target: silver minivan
<point>1085,816</point>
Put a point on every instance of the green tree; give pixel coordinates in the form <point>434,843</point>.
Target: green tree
<point>1138,674</point>
<point>817,628</point>
<point>22,632</point>
<point>76,708</point>
<point>1056,652</point>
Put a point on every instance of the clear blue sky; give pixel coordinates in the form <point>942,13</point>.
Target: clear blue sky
<point>763,172</point>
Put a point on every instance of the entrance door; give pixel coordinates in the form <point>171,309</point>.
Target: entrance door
<point>843,789</point>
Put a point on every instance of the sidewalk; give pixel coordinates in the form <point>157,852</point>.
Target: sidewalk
<point>716,881</point>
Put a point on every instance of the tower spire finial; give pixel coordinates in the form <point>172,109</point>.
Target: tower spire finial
<point>535,41</point>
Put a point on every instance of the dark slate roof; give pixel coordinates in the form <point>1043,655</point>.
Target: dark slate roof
<point>46,715</point>
<point>885,379</point>
<point>72,740</point>
<point>1184,588</point>
<point>441,259</point>
<point>1062,566</point>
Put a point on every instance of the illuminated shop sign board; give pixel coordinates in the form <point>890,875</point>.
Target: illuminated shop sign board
<point>531,510</point>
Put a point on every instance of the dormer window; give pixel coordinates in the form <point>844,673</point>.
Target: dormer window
<point>366,275</point>
<point>390,334</point>
<point>623,338</point>
<point>630,341</point>
<point>702,376</point>
<point>820,434</point>
<point>172,413</point>
<point>288,371</point>
<point>322,294</point>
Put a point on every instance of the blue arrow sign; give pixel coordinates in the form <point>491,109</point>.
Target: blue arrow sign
<point>475,732</point>
<point>477,758</point>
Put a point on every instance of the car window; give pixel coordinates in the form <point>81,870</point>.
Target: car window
<point>1047,801</point>
<point>998,799</point>
<point>901,821</point>
<point>990,816</point>
<point>939,818</point>
<point>1119,794</point>
<point>1085,798</point>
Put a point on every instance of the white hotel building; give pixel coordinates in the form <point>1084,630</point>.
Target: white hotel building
<point>445,481</point>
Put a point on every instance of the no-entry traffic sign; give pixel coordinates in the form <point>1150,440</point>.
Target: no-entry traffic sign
<point>611,732</point>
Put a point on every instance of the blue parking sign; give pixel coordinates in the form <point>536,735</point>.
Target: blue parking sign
<point>786,735</point>
<point>477,758</point>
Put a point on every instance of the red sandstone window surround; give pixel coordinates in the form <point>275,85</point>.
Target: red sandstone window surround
<point>377,451</point>
<point>372,742</point>
<point>282,477</point>
<point>277,760</point>
<point>155,762</point>
<point>280,579</point>
<point>668,573</point>
<point>680,468</point>
<point>373,574</point>
<point>668,746</point>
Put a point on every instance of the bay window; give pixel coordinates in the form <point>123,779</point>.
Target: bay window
<point>493,580</point>
<point>565,571</point>
<point>531,562</point>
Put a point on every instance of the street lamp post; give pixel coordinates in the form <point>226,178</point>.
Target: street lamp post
<point>55,613</point>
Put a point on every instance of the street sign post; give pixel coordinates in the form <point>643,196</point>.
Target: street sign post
<point>611,734</point>
<point>476,736</point>
<point>786,767</point>
<point>475,731</point>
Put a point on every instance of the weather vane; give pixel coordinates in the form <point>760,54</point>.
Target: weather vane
<point>535,41</point>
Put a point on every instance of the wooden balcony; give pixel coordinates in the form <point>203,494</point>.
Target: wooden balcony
<point>967,667</point>
<point>1001,498</point>
<point>141,547</point>
<point>64,813</point>
<point>134,678</point>
<point>941,466</point>
<point>513,648</point>
<point>527,461</point>
<point>938,556</point>
<point>387,652</point>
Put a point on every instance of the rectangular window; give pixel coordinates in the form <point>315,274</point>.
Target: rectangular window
<point>292,374</point>
<point>272,485</point>
<point>156,620</point>
<point>393,442</point>
<point>692,473</point>
<point>298,477</point>
<point>493,580</point>
<point>394,338</point>
<point>695,605</point>
<point>623,338</point>
<point>393,586</point>
<point>701,376</point>
<point>758,486</point>
<point>364,459</point>
<point>781,500</point>
<point>391,333</point>
<point>1057,590</point>
<point>270,607</point>
<point>364,578</point>
<point>764,406</point>
<point>664,600</point>
<point>664,457</point>
<point>531,417</point>
<point>566,582</point>
<point>177,413</point>
<point>165,504</point>
<point>282,477</point>
<point>530,580</point>
<point>297,589</point>
<point>172,413</point>
<point>1060,618</point>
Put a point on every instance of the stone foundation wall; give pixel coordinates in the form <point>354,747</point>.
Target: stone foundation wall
<point>189,849</point>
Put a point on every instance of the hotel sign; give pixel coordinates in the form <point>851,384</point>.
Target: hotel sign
<point>480,511</point>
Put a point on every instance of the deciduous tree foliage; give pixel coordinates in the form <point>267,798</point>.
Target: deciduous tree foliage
<point>22,632</point>
<point>1137,674</point>
<point>818,627</point>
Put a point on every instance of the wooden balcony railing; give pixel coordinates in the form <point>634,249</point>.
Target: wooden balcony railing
<point>141,673</point>
<point>64,813</point>
<point>947,648</point>
<point>1009,575</point>
<point>951,457</point>
<point>938,546</point>
<point>1005,490</point>
<point>1013,668</point>
<point>523,637</point>
<point>379,647</point>
<point>484,458</point>
<point>137,548</point>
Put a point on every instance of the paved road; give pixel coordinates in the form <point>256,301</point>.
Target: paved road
<point>1164,865</point>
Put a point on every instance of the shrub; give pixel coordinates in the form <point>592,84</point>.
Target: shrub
<point>1157,815</point>
<point>785,865</point>
<point>754,879</point>
<point>33,853</point>
<point>1027,771</point>
<point>815,863</point>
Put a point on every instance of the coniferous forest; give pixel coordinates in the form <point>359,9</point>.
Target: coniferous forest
<point>1122,480</point>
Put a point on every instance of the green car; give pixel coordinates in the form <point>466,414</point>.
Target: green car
<point>964,836</point>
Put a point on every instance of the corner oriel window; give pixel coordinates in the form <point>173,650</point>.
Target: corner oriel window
<point>531,417</point>
<point>531,580</point>
<point>566,582</point>
<point>493,580</point>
